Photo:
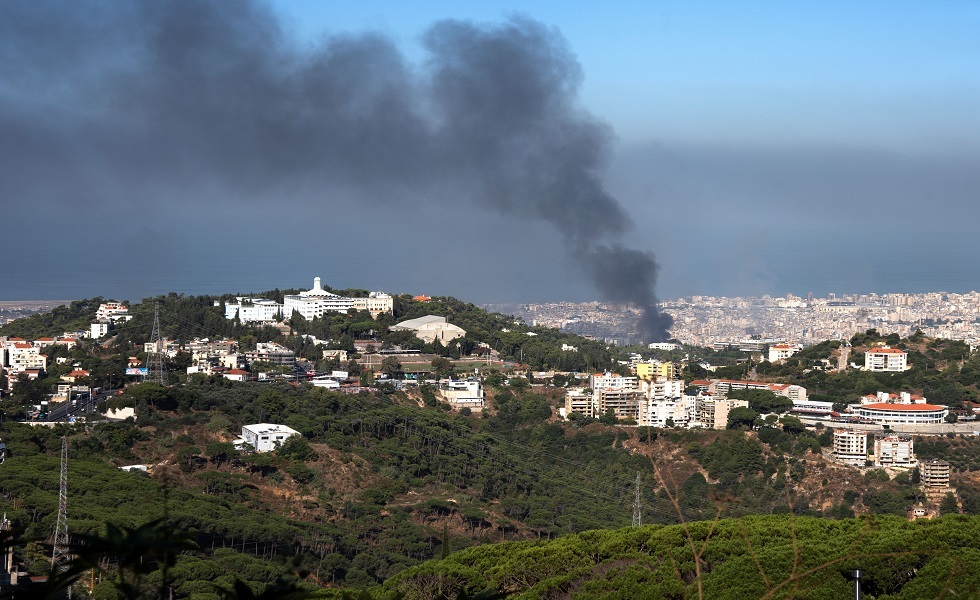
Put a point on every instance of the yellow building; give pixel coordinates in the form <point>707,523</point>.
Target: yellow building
<point>652,371</point>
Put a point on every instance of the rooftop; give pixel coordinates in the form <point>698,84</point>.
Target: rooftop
<point>903,407</point>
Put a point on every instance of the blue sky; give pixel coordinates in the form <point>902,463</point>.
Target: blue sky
<point>889,74</point>
<point>756,148</point>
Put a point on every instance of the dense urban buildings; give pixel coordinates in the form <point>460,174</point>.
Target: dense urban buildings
<point>790,319</point>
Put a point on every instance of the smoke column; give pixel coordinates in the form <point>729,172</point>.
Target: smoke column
<point>104,102</point>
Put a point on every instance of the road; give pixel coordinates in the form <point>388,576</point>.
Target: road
<point>845,349</point>
<point>64,410</point>
<point>961,427</point>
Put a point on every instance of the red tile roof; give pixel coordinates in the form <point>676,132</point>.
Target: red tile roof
<point>886,351</point>
<point>906,407</point>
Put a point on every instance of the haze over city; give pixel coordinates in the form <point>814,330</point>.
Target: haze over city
<point>753,151</point>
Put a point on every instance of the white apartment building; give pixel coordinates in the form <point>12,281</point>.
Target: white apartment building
<point>263,437</point>
<point>463,393</point>
<point>99,329</point>
<point>662,388</point>
<point>894,451</point>
<point>664,346</point>
<point>112,311</point>
<point>886,359</point>
<point>612,381</point>
<point>851,447</point>
<point>678,411</point>
<point>21,355</point>
<point>780,352</point>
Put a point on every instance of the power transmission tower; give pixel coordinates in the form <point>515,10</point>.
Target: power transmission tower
<point>59,554</point>
<point>637,510</point>
<point>154,359</point>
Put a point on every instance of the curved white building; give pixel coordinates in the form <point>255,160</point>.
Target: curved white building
<point>887,413</point>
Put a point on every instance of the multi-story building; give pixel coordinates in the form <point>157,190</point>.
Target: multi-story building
<point>310,304</point>
<point>623,402</point>
<point>722,387</point>
<point>712,412</point>
<point>894,451</point>
<point>886,360</point>
<point>112,311</point>
<point>678,411</point>
<point>263,437</point>
<point>463,394</point>
<point>907,410</point>
<point>779,352</point>
<point>934,473</point>
<point>577,400</point>
<point>851,447</point>
<point>22,355</point>
<point>650,371</point>
<point>253,310</point>
<point>99,329</point>
<point>612,380</point>
<point>662,388</point>
<point>376,303</point>
<point>271,352</point>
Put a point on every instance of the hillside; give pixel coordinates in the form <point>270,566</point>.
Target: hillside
<point>381,482</point>
<point>751,557</point>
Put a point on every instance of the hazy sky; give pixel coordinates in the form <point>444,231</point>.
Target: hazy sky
<point>224,147</point>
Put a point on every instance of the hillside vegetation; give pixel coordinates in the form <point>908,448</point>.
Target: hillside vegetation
<point>751,557</point>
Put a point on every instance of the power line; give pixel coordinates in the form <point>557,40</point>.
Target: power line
<point>59,553</point>
<point>637,509</point>
<point>154,359</point>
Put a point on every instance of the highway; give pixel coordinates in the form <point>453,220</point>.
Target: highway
<point>64,410</point>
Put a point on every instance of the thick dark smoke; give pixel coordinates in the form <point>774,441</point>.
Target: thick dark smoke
<point>102,103</point>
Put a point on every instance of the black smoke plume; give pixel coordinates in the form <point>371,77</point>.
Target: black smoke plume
<point>105,102</point>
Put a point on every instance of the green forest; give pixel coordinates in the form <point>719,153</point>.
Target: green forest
<point>380,483</point>
<point>752,557</point>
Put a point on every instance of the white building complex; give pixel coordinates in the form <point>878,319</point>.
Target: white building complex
<point>310,304</point>
<point>254,310</point>
<point>899,409</point>
<point>263,437</point>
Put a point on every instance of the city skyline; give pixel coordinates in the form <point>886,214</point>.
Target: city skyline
<point>771,150</point>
